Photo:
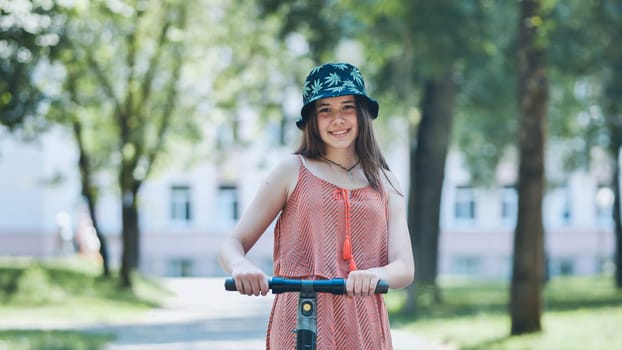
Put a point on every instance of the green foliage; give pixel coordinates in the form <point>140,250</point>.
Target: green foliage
<point>485,127</point>
<point>486,117</point>
<point>36,283</point>
<point>29,38</point>
<point>35,288</point>
<point>573,33</point>
<point>321,22</point>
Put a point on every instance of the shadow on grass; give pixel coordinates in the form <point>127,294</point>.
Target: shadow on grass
<point>52,340</point>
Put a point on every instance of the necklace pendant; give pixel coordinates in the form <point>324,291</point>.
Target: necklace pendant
<point>348,170</point>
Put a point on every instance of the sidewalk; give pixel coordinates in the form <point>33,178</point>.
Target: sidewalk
<point>202,315</point>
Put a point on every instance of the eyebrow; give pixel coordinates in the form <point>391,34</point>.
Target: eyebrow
<point>322,104</point>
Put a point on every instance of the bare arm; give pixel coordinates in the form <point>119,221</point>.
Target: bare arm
<point>400,270</point>
<point>268,202</point>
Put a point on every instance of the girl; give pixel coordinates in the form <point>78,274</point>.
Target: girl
<point>341,214</point>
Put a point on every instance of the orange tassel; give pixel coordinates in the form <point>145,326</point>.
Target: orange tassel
<point>352,265</point>
<point>347,249</point>
<point>347,243</point>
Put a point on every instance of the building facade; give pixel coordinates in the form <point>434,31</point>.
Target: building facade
<point>185,211</point>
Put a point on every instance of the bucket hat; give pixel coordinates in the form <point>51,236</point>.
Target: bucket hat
<point>332,80</point>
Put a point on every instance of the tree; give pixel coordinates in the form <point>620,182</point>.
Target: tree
<point>138,77</point>
<point>533,90</point>
<point>573,27</point>
<point>120,97</point>
<point>143,107</point>
<point>75,109</point>
<point>36,38</point>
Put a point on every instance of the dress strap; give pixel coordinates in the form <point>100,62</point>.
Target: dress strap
<point>302,161</point>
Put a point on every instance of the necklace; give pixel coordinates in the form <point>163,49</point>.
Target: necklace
<point>348,170</point>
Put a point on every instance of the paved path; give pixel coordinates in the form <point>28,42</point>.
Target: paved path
<point>202,315</point>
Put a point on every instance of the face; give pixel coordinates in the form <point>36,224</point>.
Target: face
<point>337,121</point>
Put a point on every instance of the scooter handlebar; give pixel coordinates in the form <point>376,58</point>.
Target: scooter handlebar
<point>283,285</point>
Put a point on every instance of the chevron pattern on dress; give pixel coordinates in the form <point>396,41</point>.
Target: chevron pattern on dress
<point>308,244</point>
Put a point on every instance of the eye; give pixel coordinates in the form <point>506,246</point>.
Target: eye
<point>323,110</point>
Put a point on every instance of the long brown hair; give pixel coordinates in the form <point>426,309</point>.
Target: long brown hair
<point>367,149</point>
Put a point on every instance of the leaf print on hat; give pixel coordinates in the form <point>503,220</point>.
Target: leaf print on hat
<point>350,84</point>
<point>316,87</point>
<point>305,90</point>
<point>338,88</point>
<point>357,77</point>
<point>332,79</point>
<point>315,70</point>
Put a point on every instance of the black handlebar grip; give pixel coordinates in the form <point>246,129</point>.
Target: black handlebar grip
<point>230,284</point>
<point>382,287</point>
<point>336,286</point>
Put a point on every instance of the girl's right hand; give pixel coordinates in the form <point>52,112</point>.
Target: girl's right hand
<point>249,279</point>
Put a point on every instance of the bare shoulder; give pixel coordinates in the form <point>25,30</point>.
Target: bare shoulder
<point>288,166</point>
<point>391,183</point>
<point>285,173</point>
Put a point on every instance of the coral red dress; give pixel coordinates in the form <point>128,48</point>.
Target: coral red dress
<point>309,244</point>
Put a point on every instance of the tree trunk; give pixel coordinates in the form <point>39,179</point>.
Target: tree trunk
<point>613,116</point>
<point>613,113</point>
<point>103,243</point>
<point>88,188</point>
<point>427,169</point>
<point>617,219</point>
<point>528,264</point>
<point>130,234</point>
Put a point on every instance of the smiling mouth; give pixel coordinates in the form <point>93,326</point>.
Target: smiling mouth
<point>339,133</point>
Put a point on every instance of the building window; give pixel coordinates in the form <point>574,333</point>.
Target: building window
<point>227,212</point>
<point>180,267</point>
<point>464,205</point>
<point>509,205</point>
<point>562,266</point>
<point>467,265</point>
<point>181,204</point>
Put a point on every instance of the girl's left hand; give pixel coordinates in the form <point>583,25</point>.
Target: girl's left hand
<point>362,283</point>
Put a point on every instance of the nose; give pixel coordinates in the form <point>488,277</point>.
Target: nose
<point>339,117</point>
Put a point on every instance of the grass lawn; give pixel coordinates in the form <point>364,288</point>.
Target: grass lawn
<point>64,292</point>
<point>582,313</point>
<point>52,340</point>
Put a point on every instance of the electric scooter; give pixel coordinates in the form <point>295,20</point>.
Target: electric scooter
<point>306,324</point>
